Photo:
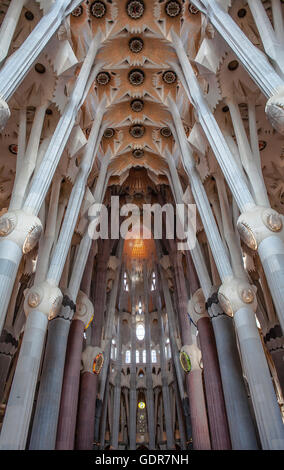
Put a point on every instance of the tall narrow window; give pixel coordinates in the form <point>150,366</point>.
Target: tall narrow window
<point>154,356</point>
<point>140,310</point>
<point>137,356</point>
<point>144,356</point>
<point>127,357</point>
<point>125,282</point>
<point>153,284</point>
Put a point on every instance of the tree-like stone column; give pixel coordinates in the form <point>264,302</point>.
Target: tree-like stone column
<point>261,228</point>
<point>71,379</point>
<point>9,25</point>
<point>252,59</point>
<point>241,427</point>
<point>88,390</point>
<point>41,304</point>
<point>17,66</point>
<point>117,390</point>
<point>149,380</point>
<point>237,299</point>
<point>20,230</point>
<point>165,385</point>
<point>219,430</point>
<point>44,428</point>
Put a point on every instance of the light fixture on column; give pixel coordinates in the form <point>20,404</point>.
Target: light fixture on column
<point>135,9</point>
<point>247,295</point>
<point>173,8</point>
<point>272,221</point>
<point>98,9</point>
<point>7,224</point>
<point>247,235</point>
<point>185,361</point>
<point>98,363</point>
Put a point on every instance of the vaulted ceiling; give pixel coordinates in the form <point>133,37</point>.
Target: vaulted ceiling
<point>137,72</point>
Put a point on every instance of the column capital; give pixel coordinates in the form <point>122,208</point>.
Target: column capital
<point>45,298</point>
<point>275,110</point>
<point>84,309</point>
<point>197,306</point>
<point>21,228</point>
<point>235,294</point>
<point>259,223</point>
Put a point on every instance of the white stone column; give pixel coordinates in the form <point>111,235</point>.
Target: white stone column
<point>260,227</point>
<point>41,303</point>
<point>17,66</point>
<point>9,25</point>
<point>20,229</point>
<point>26,163</point>
<point>236,294</point>
<point>271,44</point>
<point>252,59</point>
<point>239,419</point>
<point>249,159</point>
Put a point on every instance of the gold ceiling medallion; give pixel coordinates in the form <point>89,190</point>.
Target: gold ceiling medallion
<point>173,8</point>
<point>98,9</point>
<point>103,78</point>
<point>166,132</point>
<point>109,133</point>
<point>137,131</point>
<point>135,9</point>
<point>77,11</point>
<point>136,45</point>
<point>169,77</point>
<point>137,105</point>
<point>138,153</point>
<point>136,77</point>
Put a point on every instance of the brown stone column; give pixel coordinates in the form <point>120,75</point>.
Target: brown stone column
<point>70,388</point>
<point>219,430</point>
<point>89,385</point>
<point>198,415</point>
<point>194,383</point>
<point>86,413</point>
